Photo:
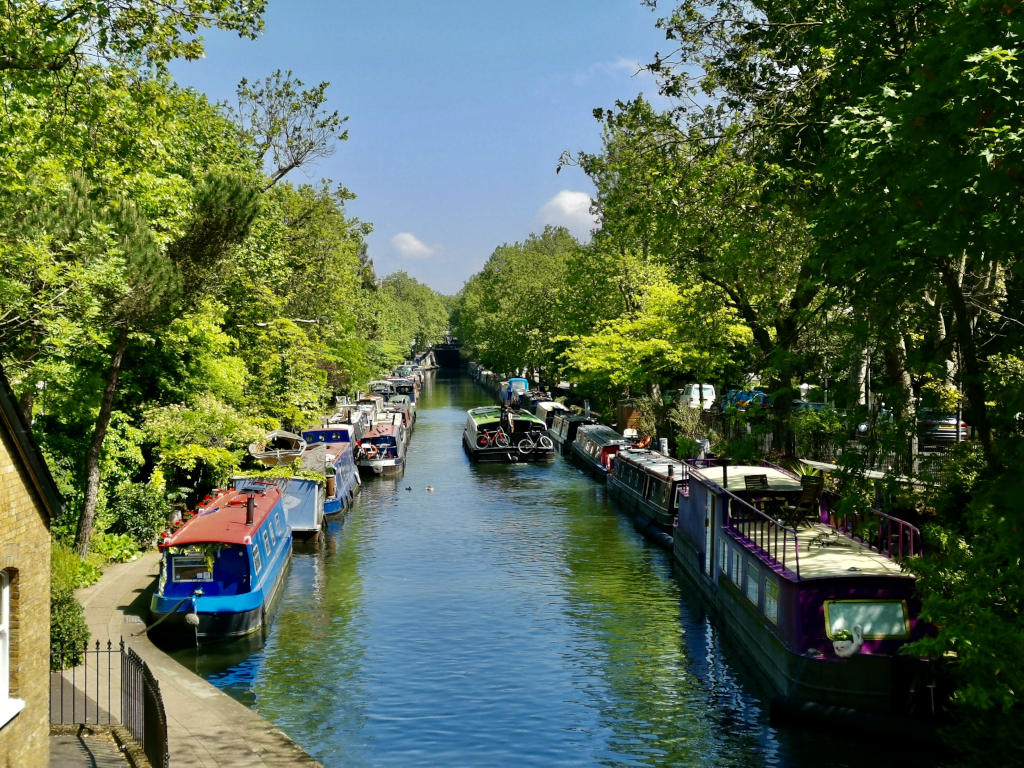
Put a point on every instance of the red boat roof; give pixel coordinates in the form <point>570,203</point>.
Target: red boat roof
<point>379,430</point>
<point>223,519</point>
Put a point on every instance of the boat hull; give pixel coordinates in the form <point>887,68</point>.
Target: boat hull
<point>509,455</point>
<point>652,521</point>
<point>219,618</point>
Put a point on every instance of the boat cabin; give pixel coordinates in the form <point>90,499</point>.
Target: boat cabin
<point>596,446</point>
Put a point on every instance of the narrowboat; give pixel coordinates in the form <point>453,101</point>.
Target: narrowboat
<point>820,612</point>
<point>595,448</point>
<point>564,427</point>
<point>548,409</point>
<point>384,387</point>
<point>496,434</point>
<point>405,386</point>
<point>339,465</point>
<point>646,484</point>
<point>381,450</point>
<point>278,447</point>
<point>221,570</point>
<point>512,390</point>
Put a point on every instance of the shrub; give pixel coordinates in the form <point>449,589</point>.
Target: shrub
<point>113,547</point>
<point>138,510</point>
<point>68,630</point>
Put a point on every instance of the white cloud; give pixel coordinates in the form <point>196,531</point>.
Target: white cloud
<point>570,210</point>
<point>411,247</point>
<point>613,69</point>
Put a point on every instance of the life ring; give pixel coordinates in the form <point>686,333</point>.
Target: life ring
<point>369,450</point>
<point>644,442</point>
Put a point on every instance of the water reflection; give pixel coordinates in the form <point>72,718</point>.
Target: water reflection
<point>509,617</point>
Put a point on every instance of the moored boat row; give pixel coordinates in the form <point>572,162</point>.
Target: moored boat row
<point>222,565</point>
<point>816,601</point>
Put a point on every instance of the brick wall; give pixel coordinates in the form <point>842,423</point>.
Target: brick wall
<point>25,555</point>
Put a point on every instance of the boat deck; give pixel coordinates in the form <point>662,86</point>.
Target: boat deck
<point>826,552</point>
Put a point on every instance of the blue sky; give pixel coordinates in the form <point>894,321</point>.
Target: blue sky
<point>458,112</point>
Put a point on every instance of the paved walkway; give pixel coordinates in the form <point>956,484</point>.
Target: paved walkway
<point>206,728</point>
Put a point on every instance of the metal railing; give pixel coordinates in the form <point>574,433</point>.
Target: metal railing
<point>762,531</point>
<point>113,686</point>
<point>891,536</point>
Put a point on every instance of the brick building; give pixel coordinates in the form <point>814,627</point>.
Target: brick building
<point>28,499</point>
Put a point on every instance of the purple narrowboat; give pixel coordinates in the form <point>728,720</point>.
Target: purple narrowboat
<point>817,603</point>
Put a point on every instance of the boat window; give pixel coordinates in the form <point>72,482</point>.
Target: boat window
<point>753,583</point>
<point>771,600</point>
<point>256,558</point>
<point>877,619</point>
<point>266,541</point>
<point>191,568</point>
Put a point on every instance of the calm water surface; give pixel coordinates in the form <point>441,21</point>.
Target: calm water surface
<point>508,617</point>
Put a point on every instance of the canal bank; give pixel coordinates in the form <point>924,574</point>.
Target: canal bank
<point>205,727</point>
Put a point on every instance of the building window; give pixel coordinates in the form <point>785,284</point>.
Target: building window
<point>8,707</point>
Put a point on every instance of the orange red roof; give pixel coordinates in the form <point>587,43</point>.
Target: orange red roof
<point>223,519</point>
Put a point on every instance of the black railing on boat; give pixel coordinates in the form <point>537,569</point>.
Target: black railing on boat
<point>891,536</point>
<point>771,537</point>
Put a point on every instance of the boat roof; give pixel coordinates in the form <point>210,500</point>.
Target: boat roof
<point>840,556</point>
<point>602,434</point>
<point>575,417</point>
<point>652,462</point>
<point>381,429</point>
<point>491,414</point>
<point>223,519</point>
<point>778,479</point>
<point>333,433</point>
<point>551,405</point>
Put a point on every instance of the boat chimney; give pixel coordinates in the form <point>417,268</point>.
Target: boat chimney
<point>586,408</point>
<point>725,473</point>
<point>250,510</point>
<point>671,471</point>
<point>663,446</point>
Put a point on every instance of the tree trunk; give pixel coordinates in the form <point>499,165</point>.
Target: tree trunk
<point>92,458</point>
<point>970,366</point>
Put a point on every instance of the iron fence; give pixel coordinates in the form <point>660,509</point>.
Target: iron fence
<point>113,686</point>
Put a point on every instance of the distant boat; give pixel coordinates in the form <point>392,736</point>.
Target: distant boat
<point>221,570</point>
<point>381,449</point>
<point>494,434</point>
<point>339,465</point>
<point>564,426</point>
<point>595,448</point>
<point>278,447</point>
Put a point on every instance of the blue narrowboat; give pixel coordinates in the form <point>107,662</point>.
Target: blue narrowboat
<point>816,601</point>
<point>221,570</point>
<point>339,463</point>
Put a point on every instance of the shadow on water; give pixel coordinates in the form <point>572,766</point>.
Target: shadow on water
<point>502,615</point>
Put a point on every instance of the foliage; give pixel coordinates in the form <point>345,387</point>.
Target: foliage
<point>138,511</point>
<point>68,630</point>
<point>113,547</point>
<point>972,591</point>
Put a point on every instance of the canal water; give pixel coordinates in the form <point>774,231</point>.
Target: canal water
<point>495,615</point>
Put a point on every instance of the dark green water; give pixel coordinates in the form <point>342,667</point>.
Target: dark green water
<point>508,617</point>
